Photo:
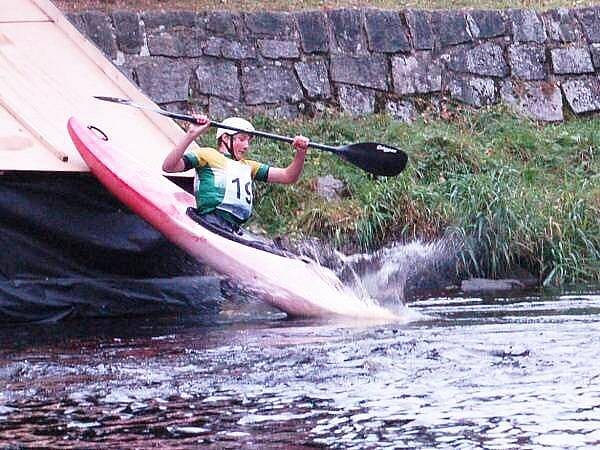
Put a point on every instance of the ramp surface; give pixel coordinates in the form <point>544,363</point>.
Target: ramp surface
<point>50,72</point>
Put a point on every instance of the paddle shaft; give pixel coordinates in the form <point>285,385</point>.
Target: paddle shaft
<point>377,159</point>
<point>277,137</point>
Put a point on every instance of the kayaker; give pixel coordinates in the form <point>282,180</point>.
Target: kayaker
<point>223,182</point>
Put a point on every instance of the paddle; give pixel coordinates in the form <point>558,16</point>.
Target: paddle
<point>378,159</point>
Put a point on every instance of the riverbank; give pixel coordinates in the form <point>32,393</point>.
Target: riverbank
<point>518,194</point>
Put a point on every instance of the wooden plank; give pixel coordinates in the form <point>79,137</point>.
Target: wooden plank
<point>21,11</point>
<point>128,89</point>
<point>49,73</point>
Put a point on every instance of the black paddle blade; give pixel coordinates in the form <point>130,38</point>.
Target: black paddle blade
<point>378,159</point>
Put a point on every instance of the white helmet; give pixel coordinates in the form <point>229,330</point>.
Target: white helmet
<point>236,122</point>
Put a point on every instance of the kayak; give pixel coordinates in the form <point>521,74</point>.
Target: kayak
<point>297,286</point>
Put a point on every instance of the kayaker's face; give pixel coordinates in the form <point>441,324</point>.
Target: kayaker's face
<point>241,144</point>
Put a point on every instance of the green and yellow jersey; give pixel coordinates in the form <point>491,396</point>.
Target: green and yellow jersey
<point>224,185</point>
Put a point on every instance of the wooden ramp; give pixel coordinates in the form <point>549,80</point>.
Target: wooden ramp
<point>50,72</point>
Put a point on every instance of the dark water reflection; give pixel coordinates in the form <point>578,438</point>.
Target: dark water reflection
<point>505,372</point>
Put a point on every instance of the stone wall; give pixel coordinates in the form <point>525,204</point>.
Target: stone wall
<point>357,60</point>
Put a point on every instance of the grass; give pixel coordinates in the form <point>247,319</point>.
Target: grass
<point>281,5</point>
<point>517,194</point>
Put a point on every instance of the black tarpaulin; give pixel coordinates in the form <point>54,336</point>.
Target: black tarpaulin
<point>69,247</point>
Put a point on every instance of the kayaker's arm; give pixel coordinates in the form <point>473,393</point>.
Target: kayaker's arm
<point>291,173</point>
<point>174,162</point>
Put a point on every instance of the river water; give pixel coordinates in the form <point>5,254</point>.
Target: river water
<point>511,371</point>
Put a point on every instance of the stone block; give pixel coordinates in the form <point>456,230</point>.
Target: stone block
<point>589,18</point>
<point>175,43</point>
<point>270,24</point>
<point>356,101</point>
<point>386,32</point>
<point>416,74</point>
<point>347,30</point>
<point>473,91</point>
<point>218,78</point>
<point>366,71</point>
<point>223,23</point>
<point>451,27</point>
<point>282,112</point>
<point>164,81</point>
<point>314,78</point>
<point>98,28</point>
<point>220,109</point>
<point>421,30</point>
<point>527,26</point>
<point>276,49</point>
<point>486,24</point>
<point>76,20</point>
<point>583,95</point>
<point>402,110</point>
<point>538,100</point>
<point>527,61</point>
<point>168,20</point>
<point>562,26</point>
<point>128,31</point>
<point>595,52</point>
<point>312,26</point>
<point>571,60</point>
<point>221,47</point>
<point>270,84</point>
<point>485,59</point>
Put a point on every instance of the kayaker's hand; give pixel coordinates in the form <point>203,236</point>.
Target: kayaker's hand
<point>200,128</point>
<point>300,143</point>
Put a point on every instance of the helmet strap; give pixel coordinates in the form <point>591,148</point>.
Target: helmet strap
<point>229,145</point>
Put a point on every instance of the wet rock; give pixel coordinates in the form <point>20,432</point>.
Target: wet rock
<point>527,61</point>
<point>347,29</point>
<point>367,71</point>
<point>270,84</point>
<point>176,43</point>
<point>583,95</point>
<point>473,91</point>
<point>272,24</point>
<point>527,26</point>
<point>226,48</point>
<point>571,60</point>
<point>314,78</point>
<point>451,27</point>
<point>218,78</point>
<point>421,30</point>
<point>164,81</point>
<point>356,101</point>
<point>537,100</point>
<point>386,32</point>
<point>402,110</point>
<point>128,31</point>
<point>486,24</point>
<point>486,59</point>
<point>416,74</point>
<point>98,28</point>
<point>223,23</point>
<point>487,285</point>
<point>589,18</point>
<point>562,26</point>
<point>275,49</point>
<point>312,27</point>
<point>329,188</point>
